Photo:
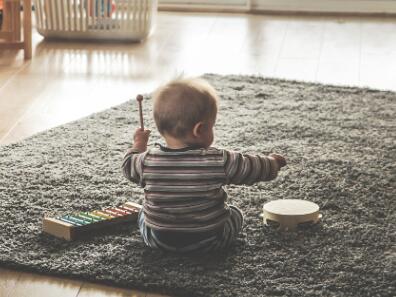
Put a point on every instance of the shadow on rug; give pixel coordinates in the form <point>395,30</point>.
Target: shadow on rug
<point>340,144</point>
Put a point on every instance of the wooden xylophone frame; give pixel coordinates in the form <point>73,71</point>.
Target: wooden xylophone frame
<point>69,228</point>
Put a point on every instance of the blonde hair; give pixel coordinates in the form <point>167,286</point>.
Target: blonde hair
<point>182,103</point>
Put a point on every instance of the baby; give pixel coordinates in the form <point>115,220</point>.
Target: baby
<point>185,207</point>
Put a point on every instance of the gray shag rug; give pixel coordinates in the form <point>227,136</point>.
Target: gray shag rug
<point>340,145</point>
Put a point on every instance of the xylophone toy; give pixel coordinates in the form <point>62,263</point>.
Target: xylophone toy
<point>77,225</point>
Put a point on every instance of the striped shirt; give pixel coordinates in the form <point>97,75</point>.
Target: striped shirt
<point>184,187</point>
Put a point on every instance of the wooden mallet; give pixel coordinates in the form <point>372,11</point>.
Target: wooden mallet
<point>289,214</point>
<point>139,99</point>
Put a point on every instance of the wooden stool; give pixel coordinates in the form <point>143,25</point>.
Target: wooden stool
<point>11,28</point>
<point>288,214</point>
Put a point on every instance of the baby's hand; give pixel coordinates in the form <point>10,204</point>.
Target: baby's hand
<point>140,139</point>
<point>280,159</point>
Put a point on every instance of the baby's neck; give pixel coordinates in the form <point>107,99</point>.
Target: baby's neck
<point>175,143</point>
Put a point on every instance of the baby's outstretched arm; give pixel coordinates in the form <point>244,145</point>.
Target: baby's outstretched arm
<point>132,164</point>
<point>248,169</point>
<point>279,158</point>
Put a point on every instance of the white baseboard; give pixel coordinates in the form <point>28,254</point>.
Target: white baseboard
<point>324,6</point>
<point>310,6</point>
<point>202,8</point>
<point>202,5</point>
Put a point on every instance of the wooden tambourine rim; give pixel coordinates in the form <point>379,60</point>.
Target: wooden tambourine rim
<point>289,221</point>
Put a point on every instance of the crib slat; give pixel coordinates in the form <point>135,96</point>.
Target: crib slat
<point>133,22</point>
<point>128,17</point>
<point>62,15</point>
<point>98,13</point>
<point>150,13</point>
<point>141,13</point>
<point>149,10</point>
<point>138,14</point>
<point>47,15</point>
<point>75,15</point>
<point>120,9</point>
<point>39,17</point>
<point>106,14</point>
<point>117,13</point>
<point>125,15</point>
<point>54,16</point>
<point>90,14</point>
<point>93,13</point>
<point>145,14</point>
<point>123,12</point>
<point>69,15</point>
<point>58,15</point>
<point>81,15</point>
<point>87,6</point>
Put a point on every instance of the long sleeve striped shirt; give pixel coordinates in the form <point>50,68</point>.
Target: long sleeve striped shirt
<point>184,187</point>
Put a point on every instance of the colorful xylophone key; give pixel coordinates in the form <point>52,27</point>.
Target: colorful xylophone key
<point>77,225</point>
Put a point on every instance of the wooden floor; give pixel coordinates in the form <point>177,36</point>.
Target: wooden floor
<point>66,81</point>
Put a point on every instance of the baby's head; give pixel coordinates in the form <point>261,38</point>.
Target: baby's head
<point>185,112</point>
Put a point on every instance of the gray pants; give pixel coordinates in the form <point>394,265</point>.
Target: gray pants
<point>202,243</point>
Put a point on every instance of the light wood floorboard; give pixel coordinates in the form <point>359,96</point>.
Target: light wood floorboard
<point>67,80</point>
<point>8,280</point>
<point>32,285</point>
<point>94,290</point>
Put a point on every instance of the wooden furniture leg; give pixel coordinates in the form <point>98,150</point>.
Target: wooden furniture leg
<point>16,20</point>
<point>11,29</point>
<point>27,28</point>
<point>6,27</point>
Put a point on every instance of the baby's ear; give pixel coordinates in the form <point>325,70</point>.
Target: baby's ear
<point>198,129</point>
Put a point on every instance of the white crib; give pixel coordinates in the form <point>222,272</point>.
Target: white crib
<point>123,20</point>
